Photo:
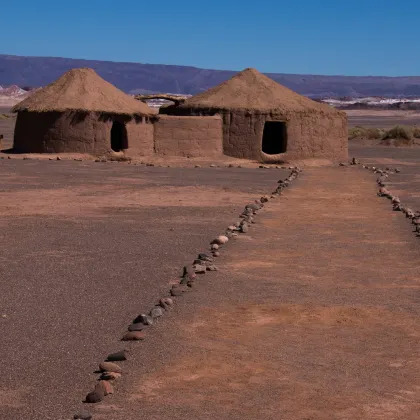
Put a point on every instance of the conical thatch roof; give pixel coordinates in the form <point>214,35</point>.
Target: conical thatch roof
<point>251,90</point>
<point>82,90</point>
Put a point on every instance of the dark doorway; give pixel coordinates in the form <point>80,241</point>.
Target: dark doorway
<point>119,139</point>
<point>274,137</point>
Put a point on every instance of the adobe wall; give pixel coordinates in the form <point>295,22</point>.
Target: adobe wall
<point>188,136</point>
<point>310,135</point>
<point>75,132</point>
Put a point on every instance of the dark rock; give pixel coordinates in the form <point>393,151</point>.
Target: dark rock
<point>110,376</point>
<point>117,357</point>
<point>188,272</point>
<point>94,397</point>
<point>105,387</point>
<point>205,257</point>
<point>144,319</point>
<point>138,326</point>
<point>134,336</point>
<point>110,367</point>
<point>244,228</point>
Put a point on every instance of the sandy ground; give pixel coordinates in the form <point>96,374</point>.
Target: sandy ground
<point>85,248</point>
<point>313,315</point>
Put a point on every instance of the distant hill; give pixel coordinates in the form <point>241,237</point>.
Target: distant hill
<point>149,78</point>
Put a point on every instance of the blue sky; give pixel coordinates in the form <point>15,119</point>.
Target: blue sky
<point>358,37</point>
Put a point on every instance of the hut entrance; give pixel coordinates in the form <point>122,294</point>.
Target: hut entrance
<point>119,139</point>
<point>274,139</point>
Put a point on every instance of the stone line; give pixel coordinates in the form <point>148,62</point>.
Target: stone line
<point>204,262</point>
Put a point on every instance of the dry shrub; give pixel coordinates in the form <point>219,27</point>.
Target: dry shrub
<point>398,132</point>
<point>416,132</point>
<point>365,133</point>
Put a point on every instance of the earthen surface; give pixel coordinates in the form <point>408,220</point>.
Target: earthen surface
<point>87,247</point>
<point>313,315</point>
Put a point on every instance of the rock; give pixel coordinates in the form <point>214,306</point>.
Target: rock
<point>212,165</point>
<point>354,161</point>
<point>178,289</point>
<point>117,357</point>
<point>188,272</point>
<point>397,171</point>
<point>105,387</point>
<point>94,397</point>
<point>396,200</point>
<point>199,268</point>
<point>110,367</point>
<point>215,247</point>
<point>166,303</point>
<point>134,336</point>
<point>216,254</point>
<point>58,158</point>
<point>137,326</point>
<point>150,164</point>
<point>157,312</point>
<point>83,415</point>
<point>110,376</point>
<point>230,165</point>
<point>197,166</point>
<point>264,199</point>
<point>205,257</point>
<point>220,240</point>
<point>253,206</point>
<point>143,319</point>
<point>244,228</point>
<point>211,267</point>
<point>232,228</point>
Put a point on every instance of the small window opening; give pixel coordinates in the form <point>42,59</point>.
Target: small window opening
<point>119,139</point>
<point>274,137</point>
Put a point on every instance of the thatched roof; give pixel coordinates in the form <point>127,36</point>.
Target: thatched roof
<point>253,91</point>
<point>82,90</point>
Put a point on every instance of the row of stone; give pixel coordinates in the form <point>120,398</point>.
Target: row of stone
<point>109,369</point>
<point>413,216</point>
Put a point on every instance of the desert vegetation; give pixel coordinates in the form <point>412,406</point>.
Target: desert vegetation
<point>395,136</point>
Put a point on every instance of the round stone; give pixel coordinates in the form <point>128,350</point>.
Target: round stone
<point>117,357</point>
<point>157,312</point>
<point>216,254</point>
<point>82,415</point>
<point>94,397</point>
<point>105,387</point>
<point>137,326</point>
<point>110,367</point>
<point>134,336</point>
<point>165,302</point>
<point>215,247</point>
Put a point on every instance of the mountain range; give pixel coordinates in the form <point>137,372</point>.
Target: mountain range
<point>134,78</point>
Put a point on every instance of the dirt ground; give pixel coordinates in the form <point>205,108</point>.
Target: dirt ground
<point>313,315</point>
<point>85,248</point>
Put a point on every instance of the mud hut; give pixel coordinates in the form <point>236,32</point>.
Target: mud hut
<point>82,113</point>
<point>266,121</point>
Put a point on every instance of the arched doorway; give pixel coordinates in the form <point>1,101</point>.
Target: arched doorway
<point>274,139</point>
<point>119,139</point>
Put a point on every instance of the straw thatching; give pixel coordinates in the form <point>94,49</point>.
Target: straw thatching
<point>82,90</point>
<point>249,100</point>
<point>82,113</point>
